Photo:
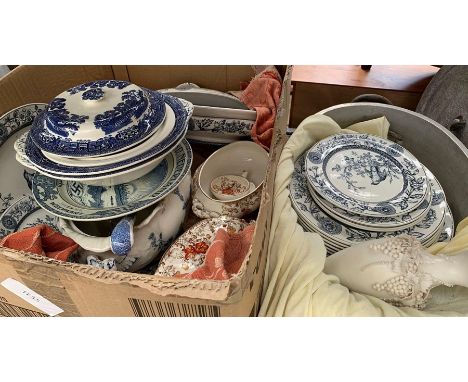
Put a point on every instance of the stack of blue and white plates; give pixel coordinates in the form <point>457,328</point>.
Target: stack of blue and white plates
<point>350,188</point>
<point>100,144</point>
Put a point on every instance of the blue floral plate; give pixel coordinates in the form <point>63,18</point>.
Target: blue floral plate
<point>25,213</point>
<point>379,223</point>
<point>98,118</point>
<point>366,175</point>
<point>181,111</point>
<point>340,235</point>
<point>78,201</point>
<point>16,181</point>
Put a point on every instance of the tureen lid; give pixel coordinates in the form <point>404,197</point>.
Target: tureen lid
<point>98,118</point>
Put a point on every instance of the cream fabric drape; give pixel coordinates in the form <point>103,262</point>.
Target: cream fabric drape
<point>295,284</point>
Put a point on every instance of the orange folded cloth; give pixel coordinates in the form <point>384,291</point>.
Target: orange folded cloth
<point>41,240</point>
<point>263,94</point>
<point>225,255</point>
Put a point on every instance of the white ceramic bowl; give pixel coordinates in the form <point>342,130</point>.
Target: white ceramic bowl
<point>235,158</point>
<point>205,207</point>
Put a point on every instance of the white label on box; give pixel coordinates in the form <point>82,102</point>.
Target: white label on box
<point>32,297</point>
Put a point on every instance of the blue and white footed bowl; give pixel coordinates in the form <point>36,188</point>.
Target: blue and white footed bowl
<point>98,118</point>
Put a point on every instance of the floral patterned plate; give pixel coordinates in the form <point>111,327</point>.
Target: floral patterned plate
<point>235,127</point>
<point>25,213</point>
<point>16,181</point>
<point>340,234</point>
<point>385,223</point>
<point>366,175</point>
<point>187,253</point>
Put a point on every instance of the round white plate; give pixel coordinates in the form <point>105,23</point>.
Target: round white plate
<point>366,175</point>
<point>385,223</point>
<point>339,233</point>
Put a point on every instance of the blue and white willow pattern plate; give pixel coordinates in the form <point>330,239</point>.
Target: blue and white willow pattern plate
<point>78,201</point>
<point>98,118</point>
<point>342,235</point>
<point>366,175</point>
<point>15,181</point>
<point>34,154</point>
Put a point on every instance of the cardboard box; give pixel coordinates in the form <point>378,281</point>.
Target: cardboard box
<point>81,290</point>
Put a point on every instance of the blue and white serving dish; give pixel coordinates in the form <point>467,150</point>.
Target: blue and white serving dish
<point>98,118</point>
<point>178,113</point>
<point>133,164</point>
<point>205,97</point>
<point>78,201</point>
<point>17,208</point>
<point>366,175</point>
<point>25,213</point>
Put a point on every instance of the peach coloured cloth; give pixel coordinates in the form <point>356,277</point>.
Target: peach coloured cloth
<point>225,255</point>
<point>41,240</point>
<point>263,94</point>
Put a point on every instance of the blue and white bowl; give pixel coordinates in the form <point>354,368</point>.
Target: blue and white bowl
<point>98,118</point>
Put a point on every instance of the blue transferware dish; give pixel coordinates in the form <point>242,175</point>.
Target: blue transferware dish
<point>98,118</point>
<point>314,219</point>
<point>366,175</point>
<point>78,201</point>
<point>149,150</point>
<point>18,209</point>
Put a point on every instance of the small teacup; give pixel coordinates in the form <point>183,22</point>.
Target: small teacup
<point>230,187</point>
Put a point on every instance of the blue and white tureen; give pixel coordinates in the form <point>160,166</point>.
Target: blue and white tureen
<point>98,118</point>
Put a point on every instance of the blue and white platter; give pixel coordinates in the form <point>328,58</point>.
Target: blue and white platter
<point>78,201</point>
<point>366,175</point>
<point>171,134</point>
<point>25,213</point>
<point>382,223</point>
<point>15,182</point>
<point>339,235</point>
<point>98,118</point>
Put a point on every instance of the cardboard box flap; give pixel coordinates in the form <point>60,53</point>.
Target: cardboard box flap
<point>51,270</point>
<point>34,84</point>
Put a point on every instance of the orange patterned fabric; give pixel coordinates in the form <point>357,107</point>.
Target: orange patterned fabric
<point>225,255</point>
<point>41,240</point>
<point>263,94</point>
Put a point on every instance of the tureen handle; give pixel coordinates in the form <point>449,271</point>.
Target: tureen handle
<point>122,236</point>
